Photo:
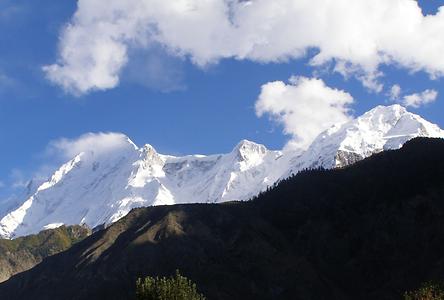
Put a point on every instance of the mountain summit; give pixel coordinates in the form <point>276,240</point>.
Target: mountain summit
<point>382,128</point>
<point>100,187</point>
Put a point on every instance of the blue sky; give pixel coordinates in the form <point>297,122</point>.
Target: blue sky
<point>170,101</point>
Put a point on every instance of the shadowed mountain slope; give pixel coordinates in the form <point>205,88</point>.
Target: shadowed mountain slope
<point>369,231</point>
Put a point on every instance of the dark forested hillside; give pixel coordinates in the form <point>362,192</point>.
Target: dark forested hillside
<point>23,253</point>
<point>369,231</point>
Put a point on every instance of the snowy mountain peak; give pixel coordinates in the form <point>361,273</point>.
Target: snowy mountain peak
<point>246,150</point>
<point>148,148</point>
<point>394,110</point>
<point>395,121</point>
<point>103,182</point>
<point>382,128</point>
<point>381,118</point>
<point>149,155</point>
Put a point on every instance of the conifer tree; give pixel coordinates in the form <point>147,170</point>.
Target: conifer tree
<point>428,291</point>
<point>177,287</point>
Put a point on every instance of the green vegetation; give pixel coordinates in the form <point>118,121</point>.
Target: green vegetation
<point>23,253</point>
<point>47,242</point>
<point>172,288</point>
<point>428,291</point>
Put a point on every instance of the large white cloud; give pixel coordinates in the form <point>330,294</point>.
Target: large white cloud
<point>356,35</point>
<point>305,107</point>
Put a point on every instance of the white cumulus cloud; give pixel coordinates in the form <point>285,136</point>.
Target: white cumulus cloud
<point>304,106</point>
<point>395,92</point>
<point>412,100</point>
<point>419,99</point>
<point>357,36</point>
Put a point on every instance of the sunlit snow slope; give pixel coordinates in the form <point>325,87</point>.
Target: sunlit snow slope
<point>100,187</point>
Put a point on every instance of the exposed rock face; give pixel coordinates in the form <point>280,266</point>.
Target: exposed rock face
<point>345,158</point>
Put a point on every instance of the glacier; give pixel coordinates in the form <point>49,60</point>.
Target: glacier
<point>97,188</point>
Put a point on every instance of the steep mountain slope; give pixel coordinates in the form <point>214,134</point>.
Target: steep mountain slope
<point>99,187</point>
<point>24,253</point>
<point>369,231</point>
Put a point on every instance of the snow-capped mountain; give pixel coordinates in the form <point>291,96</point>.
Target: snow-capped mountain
<point>100,187</point>
<point>382,128</point>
